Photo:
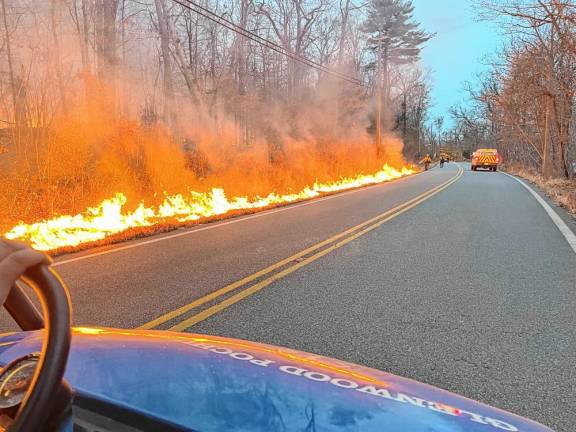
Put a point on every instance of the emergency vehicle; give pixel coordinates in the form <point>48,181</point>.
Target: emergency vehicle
<point>485,158</point>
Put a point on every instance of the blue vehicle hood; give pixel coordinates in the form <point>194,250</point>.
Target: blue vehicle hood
<point>209,383</point>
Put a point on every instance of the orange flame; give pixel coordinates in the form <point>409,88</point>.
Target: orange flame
<point>110,217</point>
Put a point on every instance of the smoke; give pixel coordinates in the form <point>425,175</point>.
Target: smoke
<point>84,139</point>
<point>85,155</point>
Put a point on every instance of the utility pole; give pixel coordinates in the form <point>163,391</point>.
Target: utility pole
<point>432,139</point>
<point>545,164</point>
<point>168,85</point>
<point>419,110</point>
<point>545,149</point>
<point>379,98</point>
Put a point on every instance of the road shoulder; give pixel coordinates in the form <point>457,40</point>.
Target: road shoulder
<point>564,220</point>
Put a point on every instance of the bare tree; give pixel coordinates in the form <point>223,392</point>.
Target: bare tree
<point>106,41</point>
<point>535,105</point>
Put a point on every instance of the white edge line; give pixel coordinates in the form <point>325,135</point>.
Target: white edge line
<point>560,224</point>
<point>214,225</point>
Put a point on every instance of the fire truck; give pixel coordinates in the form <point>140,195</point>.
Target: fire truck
<point>486,158</point>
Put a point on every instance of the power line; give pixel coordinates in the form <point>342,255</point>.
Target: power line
<point>200,10</point>
<point>267,42</point>
<point>212,16</point>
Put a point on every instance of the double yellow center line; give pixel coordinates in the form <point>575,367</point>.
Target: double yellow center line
<point>181,318</point>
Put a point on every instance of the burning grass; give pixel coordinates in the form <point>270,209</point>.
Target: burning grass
<point>91,177</point>
<point>168,226</point>
<point>113,220</point>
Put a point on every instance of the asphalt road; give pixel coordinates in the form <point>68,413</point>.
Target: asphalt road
<point>128,287</point>
<point>472,290</point>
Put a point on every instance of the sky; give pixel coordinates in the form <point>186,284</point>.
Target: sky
<point>456,53</point>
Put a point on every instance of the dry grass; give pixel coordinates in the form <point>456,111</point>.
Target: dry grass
<point>561,191</point>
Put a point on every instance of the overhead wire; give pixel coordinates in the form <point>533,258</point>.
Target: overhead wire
<point>214,17</point>
<point>257,36</point>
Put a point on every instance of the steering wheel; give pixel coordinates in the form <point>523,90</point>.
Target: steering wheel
<point>46,388</point>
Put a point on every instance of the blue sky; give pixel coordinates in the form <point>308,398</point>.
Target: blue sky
<point>455,55</point>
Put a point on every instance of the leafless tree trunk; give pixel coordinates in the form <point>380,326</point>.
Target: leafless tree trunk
<point>54,14</point>
<point>106,44</point>
<point>14,90</point>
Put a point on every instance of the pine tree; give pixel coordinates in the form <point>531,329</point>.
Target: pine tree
<point>392,29</point>
<point>396,39</point>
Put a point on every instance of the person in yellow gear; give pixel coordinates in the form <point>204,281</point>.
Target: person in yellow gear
<point>426,161</point>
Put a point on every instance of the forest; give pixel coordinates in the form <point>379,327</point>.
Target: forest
<point>152,99</point>
<point>524,102</point>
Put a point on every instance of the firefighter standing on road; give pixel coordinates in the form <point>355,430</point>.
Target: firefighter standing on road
<point>442,160</point>
<point>426,161</point>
